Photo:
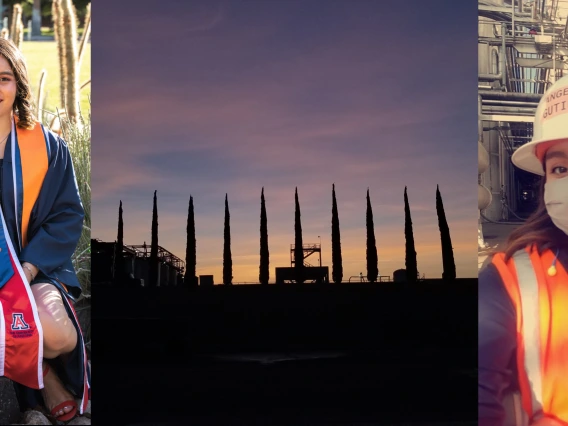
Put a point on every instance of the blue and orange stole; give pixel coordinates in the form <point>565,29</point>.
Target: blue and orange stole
<point>21,338</point>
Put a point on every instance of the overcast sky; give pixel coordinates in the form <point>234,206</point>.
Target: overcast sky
<point>211,97</point>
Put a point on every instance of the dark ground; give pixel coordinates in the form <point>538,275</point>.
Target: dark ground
<point>358,354</point>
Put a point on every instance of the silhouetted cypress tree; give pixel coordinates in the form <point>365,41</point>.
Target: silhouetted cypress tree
<point>447,250</point>
<point>154,246</point>
<point>264,273</point>
<point>227,260</point>
<point>190,250</point>
<point>118,255</point>
<point>411,266</point>
<point>298,249</point>
<point>337,272</point>
<point>372,258</point>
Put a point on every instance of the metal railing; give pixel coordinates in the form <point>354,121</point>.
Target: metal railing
<point>380,278</point>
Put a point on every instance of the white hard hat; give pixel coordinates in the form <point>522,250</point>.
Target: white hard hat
<point>550,126</point>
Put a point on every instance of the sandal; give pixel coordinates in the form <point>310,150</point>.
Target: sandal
<point>69,403</point>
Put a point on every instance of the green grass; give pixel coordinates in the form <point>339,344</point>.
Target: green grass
<point>43,54</point>
<point>46,31</point>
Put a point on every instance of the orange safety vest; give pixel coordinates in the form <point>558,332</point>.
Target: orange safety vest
<point>541,304</point>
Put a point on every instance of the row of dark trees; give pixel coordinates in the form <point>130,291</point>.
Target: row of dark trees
<point>190,279</point>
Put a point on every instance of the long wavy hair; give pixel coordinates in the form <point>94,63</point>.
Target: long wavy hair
<point>538,230</point>
<point>24,103</point>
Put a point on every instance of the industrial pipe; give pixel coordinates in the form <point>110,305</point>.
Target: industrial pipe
<point>482,158</point>
<point>513,17</point>
<point>511,43</point>
<point>510,103</point>
<point>510,96</point>
<point>509,110</point>
<point>482,154</point>
<point>479,122</point>
<point>490,77</point>
<point>500,223</point>
<point>566,29</point>
<point>484,197</point>
<point>503,53</point>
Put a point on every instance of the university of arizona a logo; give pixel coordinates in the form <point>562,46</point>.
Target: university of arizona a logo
<point>18,322</point>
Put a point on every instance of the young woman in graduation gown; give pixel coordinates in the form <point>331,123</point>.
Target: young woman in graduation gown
<point>41,344</point>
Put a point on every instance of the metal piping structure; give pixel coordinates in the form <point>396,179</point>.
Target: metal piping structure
<point>479,122</point>
<point>504,54</point>
<point>532,41</point>
<point>509,110</point>
<point>510,96</point>
<point>510,103</point>
<point>490,77</point>
<point>164,255</point>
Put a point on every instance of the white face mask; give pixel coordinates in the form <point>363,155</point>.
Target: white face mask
<point>556,200</point>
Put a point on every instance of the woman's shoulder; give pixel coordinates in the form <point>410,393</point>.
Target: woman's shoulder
<point>563,257</point>
<point>491,270</point>
<point>54,140</point>
<point>505,256</point>
<point>48,132</point>
<point>493,256</point>
<point>488,271</point>
<point>492,293</point>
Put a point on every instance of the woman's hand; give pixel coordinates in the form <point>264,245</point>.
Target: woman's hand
<point>30,271</point>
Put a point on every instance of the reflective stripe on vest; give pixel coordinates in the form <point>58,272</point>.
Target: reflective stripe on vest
<point>514,413</point>
<point>540,301</point>
<point>528,288</point>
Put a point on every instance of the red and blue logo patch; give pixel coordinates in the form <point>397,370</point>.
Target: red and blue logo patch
<point>20,328</point>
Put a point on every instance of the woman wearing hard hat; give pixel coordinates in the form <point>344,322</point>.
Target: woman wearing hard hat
<point>523,292</point>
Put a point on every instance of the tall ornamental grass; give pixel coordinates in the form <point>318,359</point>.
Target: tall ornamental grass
<point>78,138</point>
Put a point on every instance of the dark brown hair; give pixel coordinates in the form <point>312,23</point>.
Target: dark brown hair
<point>24,103</point>
<point>538,230</point>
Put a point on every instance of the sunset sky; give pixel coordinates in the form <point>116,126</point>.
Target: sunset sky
<point>204,98</point>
